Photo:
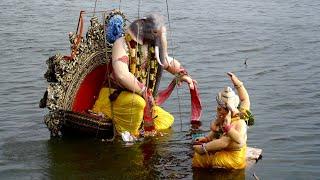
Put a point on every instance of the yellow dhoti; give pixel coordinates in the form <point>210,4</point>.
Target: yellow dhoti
<point>127,111</point>
<point>221,159</point>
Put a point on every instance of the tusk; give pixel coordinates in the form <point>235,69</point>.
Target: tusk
<point>156,53</point>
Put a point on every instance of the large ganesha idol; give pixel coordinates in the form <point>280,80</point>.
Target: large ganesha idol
<point>74,81</point>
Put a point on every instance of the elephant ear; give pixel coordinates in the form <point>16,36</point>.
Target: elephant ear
<point>137,28</point>
<point>143,29</point>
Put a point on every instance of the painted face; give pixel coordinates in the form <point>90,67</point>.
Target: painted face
<point>221,112</point>
<point>151,36</point>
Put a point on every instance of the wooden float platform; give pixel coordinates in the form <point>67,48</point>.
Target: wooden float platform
<point>253,155</point>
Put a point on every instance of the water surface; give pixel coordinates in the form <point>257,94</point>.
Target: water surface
<point>279,39</point>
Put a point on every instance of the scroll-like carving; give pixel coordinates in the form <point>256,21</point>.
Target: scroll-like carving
<point>65,76</point>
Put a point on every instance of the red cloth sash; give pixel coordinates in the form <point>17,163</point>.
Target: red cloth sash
<point>196,107</point>
<point>78,38</point>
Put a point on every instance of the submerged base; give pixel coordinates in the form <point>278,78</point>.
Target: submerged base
<point>253,155</point>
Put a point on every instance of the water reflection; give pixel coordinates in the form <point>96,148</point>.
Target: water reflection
<point>218,174</point>
<point>166,157</point>
<point>76,158</point>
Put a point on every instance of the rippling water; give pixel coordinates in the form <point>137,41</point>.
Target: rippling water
<point>279,39</point>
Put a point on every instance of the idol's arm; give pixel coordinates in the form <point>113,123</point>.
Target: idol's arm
<point>122,74</point>
<point>174,67</point>
<point>242,91</point>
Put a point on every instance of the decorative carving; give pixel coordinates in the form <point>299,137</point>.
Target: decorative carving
<point>53,120</point>
<point>66,74</point>
<point>96,59</point>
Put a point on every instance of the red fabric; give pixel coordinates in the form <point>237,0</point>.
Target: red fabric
<point>165,94</point>
<point>147,113</point>
<point>78,38</point>
<point>196,107</point>
<point>89,90</point>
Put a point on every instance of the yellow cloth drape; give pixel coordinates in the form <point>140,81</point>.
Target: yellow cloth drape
<point>227,159</point>
<point>128,111</point>
<point>221,159</point>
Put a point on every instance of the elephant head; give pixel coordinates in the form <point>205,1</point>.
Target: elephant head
<point>151,30</point>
